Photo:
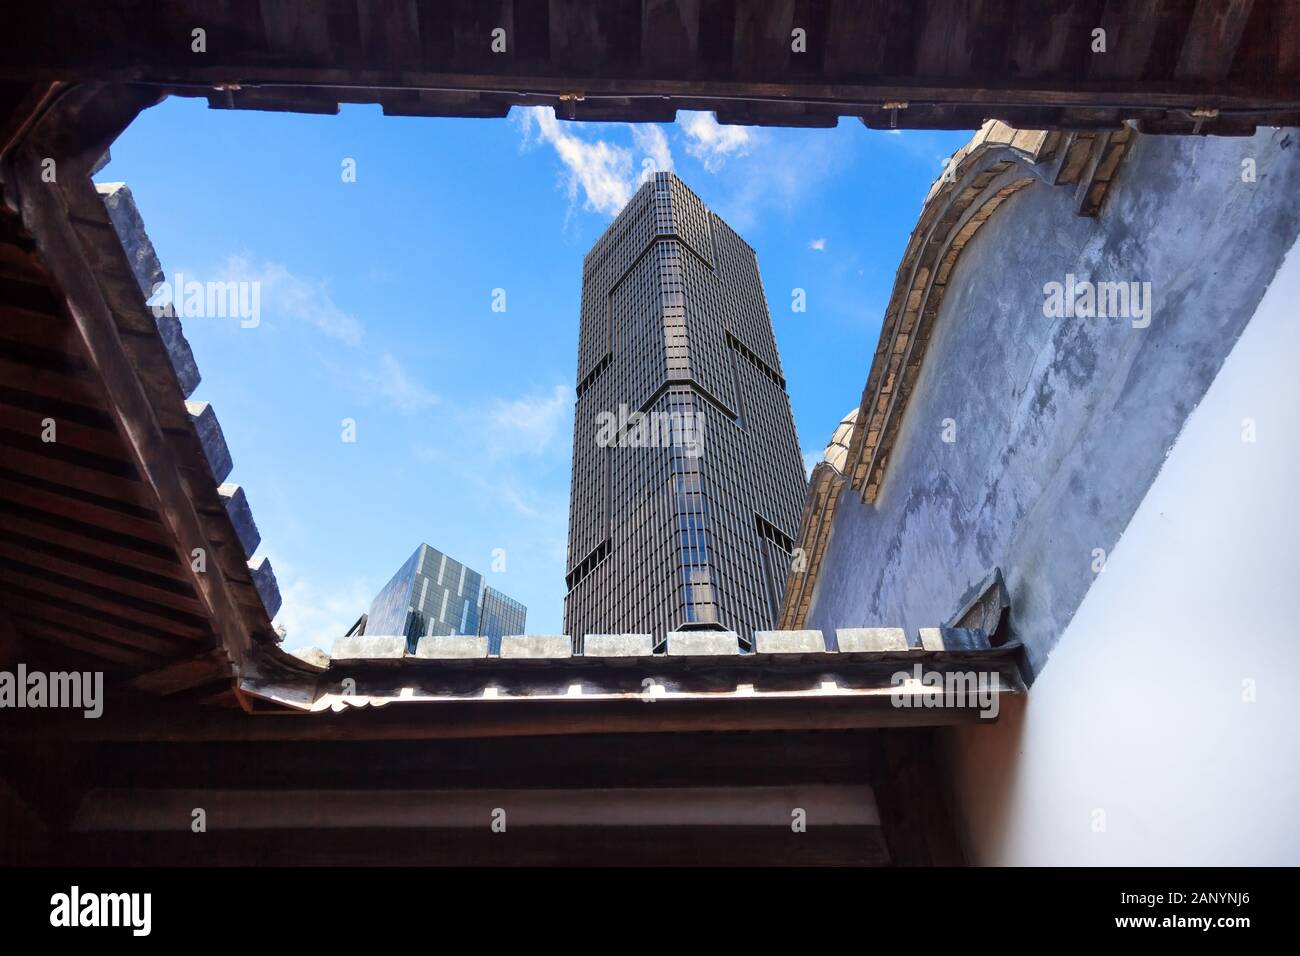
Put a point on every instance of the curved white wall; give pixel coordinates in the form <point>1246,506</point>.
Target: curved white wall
<point>1139,713</point>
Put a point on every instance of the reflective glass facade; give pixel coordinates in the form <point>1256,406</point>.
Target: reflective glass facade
<point>432,594</point>
<point>668,535</point>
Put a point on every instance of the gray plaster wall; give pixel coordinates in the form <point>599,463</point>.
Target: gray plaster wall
<point>1061,423</point>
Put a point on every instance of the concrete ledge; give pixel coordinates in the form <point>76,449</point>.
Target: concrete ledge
<point>451,647</point>
<point>618,645</point>
<point>312,655</point>
<point>789,642</point>
<point>703,643</point>
<point>212,439</point>
<point>368,648</point>
<point>241,516</point>
<point>857,640</point>
<point>268,589</point>
<point>539,646</point>
<point>953,639</point>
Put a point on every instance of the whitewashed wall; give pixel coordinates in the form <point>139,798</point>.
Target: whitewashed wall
<point>1140,719</point>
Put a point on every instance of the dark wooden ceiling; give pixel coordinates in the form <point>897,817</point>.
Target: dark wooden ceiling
<point>94,572</point>
<point>1170,65</point>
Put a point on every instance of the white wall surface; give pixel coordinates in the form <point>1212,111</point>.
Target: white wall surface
<point>1139,712</point>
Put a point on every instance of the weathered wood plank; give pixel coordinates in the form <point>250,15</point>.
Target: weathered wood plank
<point>61,421</point>
<point>79,536</point>
<point>145,591</point>
<point>184,674</point>
<point>77,504</point>
<point>45,212</point>
<point>857,38</point>
<point>945,44</point>
<point>670,35</point>
<point>159,626</point>
<point>1131,31</point>
<point>93,646</point>
<point>27,455</point>
<point>760,47</point>
<point>72,615</point>
<point>1212,39</point>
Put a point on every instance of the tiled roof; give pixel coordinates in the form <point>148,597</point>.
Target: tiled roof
<point>837,450</point>
<point>857,667</point>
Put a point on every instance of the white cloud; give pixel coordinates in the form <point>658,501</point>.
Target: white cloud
<point>780,174</point>
<point>818,245</point>
<point>392,383</point>
<point>712,143</point>
<point>651,140</point>
<point>532,423</point>
<point>314,616</point>
<point>516,496</point>
<point>306,300</point>
<point>601,170</point>
<point>302,299</point>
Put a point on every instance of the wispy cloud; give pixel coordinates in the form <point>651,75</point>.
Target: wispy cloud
<point>519,497</point>
<point>312,615</point>
<point>600,170</point>
<point>302,299</point>
<point>307,300</point>
<point>652,141</point>
<point>395,385</point>
<point>781,173</point>
<point>818,245</point>
<point>712,143</point>
<point>530,424</point>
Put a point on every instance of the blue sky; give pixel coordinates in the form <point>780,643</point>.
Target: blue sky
<point>376,306</point>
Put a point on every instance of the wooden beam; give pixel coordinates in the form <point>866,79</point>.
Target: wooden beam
<point>90,646</point>
<point>945,43</point>
<point>1212,39</point>
<point>389,33</point>
<point>670,35</point>
<point>11,643</point>
<point>483,719</point>
<point>1131,31</point>
<point>159,626</point>
<point>78,536</point>
<point>913,801</point>
<point>46,213</point>
<point>22,831</point>
<point>825,805</point>
<point>184,674</point>
<point>18,120</point>
<point>60,616</point>
<point>74,504</point>
<point>27,455</point>
<point>856,44</point>
<point>549,846</point>
<point>590,760</point>
<point>140,588</point>
<point>761,44</point>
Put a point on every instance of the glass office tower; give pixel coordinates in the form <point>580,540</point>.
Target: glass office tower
<point>671,527</point>
<point>432,594</point>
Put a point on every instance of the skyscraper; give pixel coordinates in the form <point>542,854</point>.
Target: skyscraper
<point>432,594</point>
<point>688,483</point>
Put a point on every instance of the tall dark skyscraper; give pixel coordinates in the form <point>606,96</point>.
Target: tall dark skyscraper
<point>432,594</point>
<point>688,483</point>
